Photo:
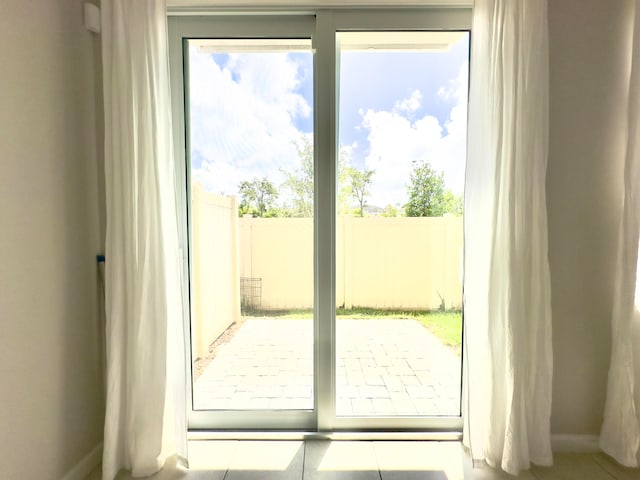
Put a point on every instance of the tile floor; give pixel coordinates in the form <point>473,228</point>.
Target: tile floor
<point>365,460</point>
<point>383,367</point>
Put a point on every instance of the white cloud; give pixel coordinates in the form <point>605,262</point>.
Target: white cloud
<point>457,88</point>
<point>243,124</point>
<point>396,140</point>
<point>411,104</point>
<point>242,117</point>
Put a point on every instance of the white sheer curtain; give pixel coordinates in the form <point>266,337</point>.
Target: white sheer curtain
<point>146,412</point>
<point>508,356</point>
<point>620,435</point>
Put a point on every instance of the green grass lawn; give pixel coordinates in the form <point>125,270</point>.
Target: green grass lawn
<point>447,325</point>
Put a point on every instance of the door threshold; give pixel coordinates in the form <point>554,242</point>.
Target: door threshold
<point>200,435</point>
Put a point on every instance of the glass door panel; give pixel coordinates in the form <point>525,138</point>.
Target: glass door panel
<point>402,137</point>
<point>250,146</point>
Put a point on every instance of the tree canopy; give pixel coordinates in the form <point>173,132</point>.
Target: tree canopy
<point>428,196</point>
<point>360,181</point>
<point>257,197</point>
<point>299,182</point>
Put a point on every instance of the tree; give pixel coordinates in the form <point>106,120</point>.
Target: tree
<point>451,203</point>
<point>391,211</point>
<point>428,196</point>
<point>299,182</point>
<point>257,196</point>
<point>360,181</point>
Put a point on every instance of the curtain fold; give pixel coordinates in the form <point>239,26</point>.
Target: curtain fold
<point>507,307</point>
<point>145,408</point>
<point>620,435</point>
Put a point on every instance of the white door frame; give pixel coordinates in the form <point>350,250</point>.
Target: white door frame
<point>321,26</point>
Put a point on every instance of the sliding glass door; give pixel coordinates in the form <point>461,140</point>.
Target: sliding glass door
<point>401,139</point>
<point>321,159</point>
<point>247,92</point>
<point>251,144</point>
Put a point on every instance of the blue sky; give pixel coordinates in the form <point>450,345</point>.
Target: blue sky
<point>395,107</point>
<point>398,74</point>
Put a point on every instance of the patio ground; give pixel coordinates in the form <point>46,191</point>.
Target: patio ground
<point>384,367</point>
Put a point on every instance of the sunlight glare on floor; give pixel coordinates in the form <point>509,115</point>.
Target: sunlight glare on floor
<point>207,455</point>
<point>398,456</point>
<point>348,456</point>
<point>265,456</point>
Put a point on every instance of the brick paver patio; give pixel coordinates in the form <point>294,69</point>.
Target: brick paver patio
<point>384,367</point>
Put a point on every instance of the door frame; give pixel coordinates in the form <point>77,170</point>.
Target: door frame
<point>321,26</point>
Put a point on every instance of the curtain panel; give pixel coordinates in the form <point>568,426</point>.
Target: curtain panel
<point>507,307</point>
<point>620,435</point>
<point>145,408</point>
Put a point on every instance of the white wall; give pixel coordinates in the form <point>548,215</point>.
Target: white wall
<point>51,408</point>
<point>588,56</point>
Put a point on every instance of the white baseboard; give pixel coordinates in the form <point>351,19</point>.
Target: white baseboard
<point>85,466</point>
<point>575,443</point>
